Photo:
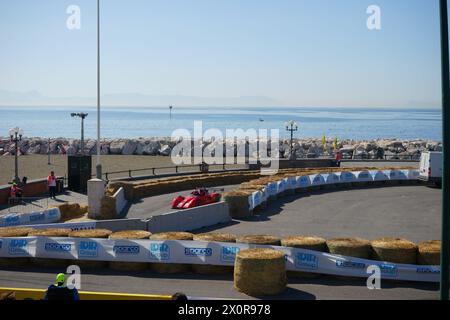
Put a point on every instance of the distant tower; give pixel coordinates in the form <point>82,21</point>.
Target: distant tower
<point>170,111</point>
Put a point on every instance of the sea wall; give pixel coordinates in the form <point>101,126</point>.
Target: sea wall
<point>303,148</point>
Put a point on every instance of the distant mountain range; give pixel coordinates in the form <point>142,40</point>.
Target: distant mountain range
<point>34,98</point>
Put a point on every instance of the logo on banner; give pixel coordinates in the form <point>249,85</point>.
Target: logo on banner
<point>88,249</point>
<point>53,213</point>
<point>333,178</point>
<point>57,247</point>
<point>18,247</point>
<point>126,249</point>
<point>428,270</point>
<point>159,251</point>
<point>350,264</point>
<point>388,269</point>
<point>37,217</point>
<point>306,261</point>
<point>12,220</point>
<point>228,254</point>
<point>203,252</point>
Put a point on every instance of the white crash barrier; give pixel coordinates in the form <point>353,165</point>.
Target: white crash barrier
<point>317,180</point>
<point>38,217</point>
<point>200,252</point>
<point>298,182</point>
<point>303,181</point>
<point>121,202</point>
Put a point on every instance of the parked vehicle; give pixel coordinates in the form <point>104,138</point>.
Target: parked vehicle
<point>198,197</point>
<point>431,167</point>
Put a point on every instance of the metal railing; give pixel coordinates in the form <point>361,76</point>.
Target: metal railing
<point>155,171</point>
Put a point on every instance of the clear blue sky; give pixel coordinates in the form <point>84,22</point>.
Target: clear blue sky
<point>299,52</point>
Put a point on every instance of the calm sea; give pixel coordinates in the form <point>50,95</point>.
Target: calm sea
<point>352,123</point>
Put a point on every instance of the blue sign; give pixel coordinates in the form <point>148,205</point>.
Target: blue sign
<point>306,261</point>
<point>204,252</point>
<point>53,213</point>
<point>88,249</point>
<point>57,247</point>
<point>347,176</point>
<point>228,254</point>
<point>18,247</point>
<point>126,249</point>
<point>37,217</point>
<point>350,264</point>
<point>428,270</point>
<point>159,251</point>
<point>12,220</point>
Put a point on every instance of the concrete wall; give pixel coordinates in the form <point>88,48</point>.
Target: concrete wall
<point>121,202</point>
<point>34,188</point>
<point>190,219</point>
<point>122,224</point>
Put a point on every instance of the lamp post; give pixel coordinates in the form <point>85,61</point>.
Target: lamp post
<point>15,135</point>
<point>291,126</point>
<point>82,116</point>
<point>98,163</point>
<point>445,228</point>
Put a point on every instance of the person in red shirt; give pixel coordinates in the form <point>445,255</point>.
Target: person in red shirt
<point>338,158</point>
<point>51,182</point>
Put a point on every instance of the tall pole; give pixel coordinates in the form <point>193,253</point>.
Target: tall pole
<point>292,138</point>
<point>82,135</point>
<point>98,166</point>
<point>16,160</point>
<point>48,152</point>
<point>445,237</point>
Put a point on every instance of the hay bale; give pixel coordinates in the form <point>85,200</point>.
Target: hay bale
<point>50,232</point>
<point>125,265</point>
<point>91,233</point>
<point>130,234</point>
<point>429,253</point>
<point>260,239</point>
<point>308,243</point>
<point>9,232</point>
<point>170,268</point>
<point>350,247</point>
<point>210,269</point>
<point>238,203</point>
<point>260,272</point>
<point>395,250</point>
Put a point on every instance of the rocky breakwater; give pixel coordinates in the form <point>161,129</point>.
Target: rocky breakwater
<point>302,148</point>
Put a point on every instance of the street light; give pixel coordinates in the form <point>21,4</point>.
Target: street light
<point>82,116</point>
<point>98,163</point>
<point>291,126</point>
<point>15,135</point>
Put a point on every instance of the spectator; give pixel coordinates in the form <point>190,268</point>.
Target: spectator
<point>15,193</point>
<point>51,181</point>
<point>59,291</point>
<point>179,296</point>
<point>338,158</point>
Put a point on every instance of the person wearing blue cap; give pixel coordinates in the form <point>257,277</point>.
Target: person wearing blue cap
<point>59,291</point>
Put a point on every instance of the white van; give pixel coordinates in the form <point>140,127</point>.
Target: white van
<point>431,167</point>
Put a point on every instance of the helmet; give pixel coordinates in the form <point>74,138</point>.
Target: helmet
<point>60,279</point>
<point>14,184</point>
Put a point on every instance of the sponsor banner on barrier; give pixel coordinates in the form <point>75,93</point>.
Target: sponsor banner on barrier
<point>347,176</point>
<point>200,252</point>
<point>33,218</point>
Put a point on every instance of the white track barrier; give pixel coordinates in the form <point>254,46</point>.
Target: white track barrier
<point>33,218</point>
<point>331,178</point>
<point>200,252</point>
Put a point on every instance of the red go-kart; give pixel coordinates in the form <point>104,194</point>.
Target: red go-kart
<point>198,197</point>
